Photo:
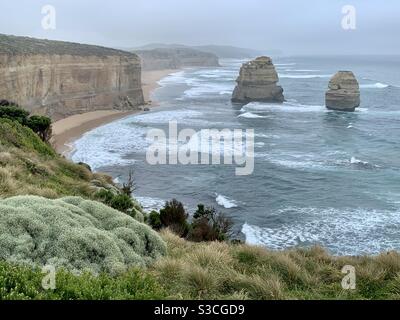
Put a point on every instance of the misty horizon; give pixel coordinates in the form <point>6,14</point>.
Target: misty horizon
<point>287,26</point>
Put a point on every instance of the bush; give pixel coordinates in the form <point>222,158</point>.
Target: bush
<point>174,216</point>
<point>12,133</point>
<point>121,202</point>
<point>209,225</point>
<point>20,282</point>
<point>76,234</point>
<point>39,124</point>
<point>154,220</point>
<point>15,114</point>
<point>129,187</point>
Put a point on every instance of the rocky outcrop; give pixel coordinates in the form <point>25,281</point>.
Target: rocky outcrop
<point>344,92</point>
<point>258,82</point>
<point>59,79</point>
<point>176,58</point>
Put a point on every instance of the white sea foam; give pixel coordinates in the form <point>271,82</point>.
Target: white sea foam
<point>285,107</point>
<point>103,146</point>
<point>303,70</point>
<point>285,64</point>
<point>225,202</point>
<point>173,78</point>
<point>377,85</point>
<point>330,227</point>
<point>204,88</point>
<point>304,76</point>
<point>116,180</point>
<point>109,144</point>
<point>162,117</point>
<point>150,204</point>
<point>201,144</point>
<point>354,160</point>
<point>250,115</point>
<point>328,160</point>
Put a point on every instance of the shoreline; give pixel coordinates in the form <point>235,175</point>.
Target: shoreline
<point>67,130</point>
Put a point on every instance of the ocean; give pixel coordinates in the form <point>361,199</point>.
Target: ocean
<point>321,177</point>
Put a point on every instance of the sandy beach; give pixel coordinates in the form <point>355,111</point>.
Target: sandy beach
<point>67,130</point>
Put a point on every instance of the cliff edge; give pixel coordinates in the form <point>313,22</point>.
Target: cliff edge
<point>59,79</point>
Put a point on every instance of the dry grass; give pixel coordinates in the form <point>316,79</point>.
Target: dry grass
<point>226,271</point>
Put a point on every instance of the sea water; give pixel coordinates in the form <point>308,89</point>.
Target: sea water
<point>321,177</point>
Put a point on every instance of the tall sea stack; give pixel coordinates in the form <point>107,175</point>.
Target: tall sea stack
<point>344,92</point>
<point>258,82</point>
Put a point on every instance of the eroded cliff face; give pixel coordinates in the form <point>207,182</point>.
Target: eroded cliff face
<point>58,85</point>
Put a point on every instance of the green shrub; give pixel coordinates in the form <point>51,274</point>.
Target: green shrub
<point>14,113</point>
<point>22,282</point>
<point>121,202</point>
<point>41,126</point>
<point>154,220</point>
<point>209,225</point>
<point>16,135</point>
<point>105,196</point>
<point>174,216</point>
<point>76,234</point>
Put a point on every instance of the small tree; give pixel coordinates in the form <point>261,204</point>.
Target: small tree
<point>209,225</point>
<point>41,126</point>
<point>129,187</point>
<point>154,220</point>
<point>174,216</point>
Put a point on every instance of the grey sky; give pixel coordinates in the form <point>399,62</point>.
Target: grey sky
<point>294,26</point>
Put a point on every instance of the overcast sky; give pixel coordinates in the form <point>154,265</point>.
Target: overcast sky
<point>293,26</point>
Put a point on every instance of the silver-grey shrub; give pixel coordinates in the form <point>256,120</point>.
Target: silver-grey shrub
<point>76,234</point>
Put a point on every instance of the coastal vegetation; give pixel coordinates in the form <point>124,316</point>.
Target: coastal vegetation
<point>49,213</point>
<point>41,125</point>
<point>206,224</point>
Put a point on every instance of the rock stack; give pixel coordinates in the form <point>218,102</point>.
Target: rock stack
<point>344,92</point>
<point>258,82</point>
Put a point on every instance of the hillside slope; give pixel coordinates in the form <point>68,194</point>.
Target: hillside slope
<point>209,270</point>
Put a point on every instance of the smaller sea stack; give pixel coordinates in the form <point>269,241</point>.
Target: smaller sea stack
<point>343,93</point>
<point>258,82</point>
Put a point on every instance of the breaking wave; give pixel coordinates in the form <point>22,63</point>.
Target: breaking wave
<point>225,202</point>
<point>342,231</point>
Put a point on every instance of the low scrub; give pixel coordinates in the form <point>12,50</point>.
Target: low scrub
<point>25,283</point>
<point>206,225</point>
<point>75,234</point>
<point>219,270</point>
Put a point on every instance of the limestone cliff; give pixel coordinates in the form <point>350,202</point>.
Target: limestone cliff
<point>344,92</point>
<point>59,79</point>
<point>258,82</point>
<point>176,58</point>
